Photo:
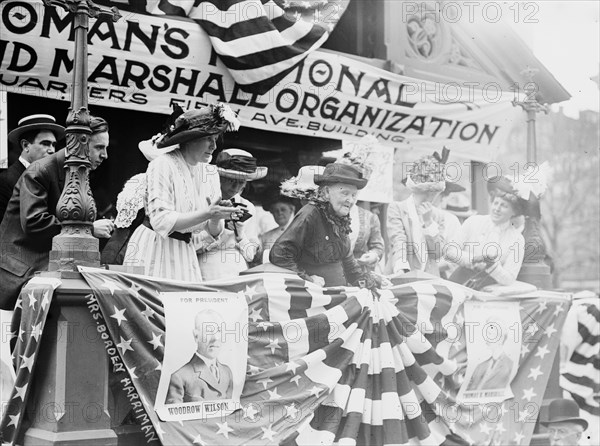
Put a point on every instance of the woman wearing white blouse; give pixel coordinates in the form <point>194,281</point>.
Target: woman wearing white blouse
<point>490,243</point>
<point>182,196</point>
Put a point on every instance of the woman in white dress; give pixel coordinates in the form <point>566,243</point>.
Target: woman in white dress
<point>182,196</point>
<point>226,254</point>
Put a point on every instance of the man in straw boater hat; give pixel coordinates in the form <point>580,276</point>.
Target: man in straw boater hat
<point>415,226</point>
<point>30,221</point>
<point>36,136</point>
<point>229,253</point>
<point>565,426</point>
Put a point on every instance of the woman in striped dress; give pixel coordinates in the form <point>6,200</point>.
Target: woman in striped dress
<point>183,196</point>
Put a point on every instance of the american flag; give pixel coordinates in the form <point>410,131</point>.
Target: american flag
<point>30,314</point>
<point>580,377</point>
<point>512,422</point>
<point>259,41</point>
<point>324,365</point>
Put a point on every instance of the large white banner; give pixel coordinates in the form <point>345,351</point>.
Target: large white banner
<point>147,63</point>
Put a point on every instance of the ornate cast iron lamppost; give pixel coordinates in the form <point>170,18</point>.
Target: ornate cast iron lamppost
<point>75,366</point>
<point>76,209</point>
<point>534,269</point>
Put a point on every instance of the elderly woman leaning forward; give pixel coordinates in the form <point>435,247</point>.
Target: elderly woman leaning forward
<point>316,243</point>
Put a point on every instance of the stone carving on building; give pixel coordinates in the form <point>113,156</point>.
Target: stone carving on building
<point>431,39</point>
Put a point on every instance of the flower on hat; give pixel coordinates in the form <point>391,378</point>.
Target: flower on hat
<point>293,189</point>
<point>302,186</point>
<point>428,173</point>
<point>359,156</point>
<point>533,181</point>
<point>358,161</point>
<point>225,112</point>
<point>197,123</point>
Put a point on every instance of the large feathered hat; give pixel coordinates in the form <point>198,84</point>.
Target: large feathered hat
<point>428,173</point>
<point>210,120</point>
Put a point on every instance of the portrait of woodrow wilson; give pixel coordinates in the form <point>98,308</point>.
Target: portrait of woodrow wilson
<point>203,377</point>
<point>494,372</point>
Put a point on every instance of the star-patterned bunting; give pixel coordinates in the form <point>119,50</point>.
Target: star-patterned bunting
<point>286,382</point>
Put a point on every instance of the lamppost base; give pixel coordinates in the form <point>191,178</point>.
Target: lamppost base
<point>40,437</point>
<point>74,246</point>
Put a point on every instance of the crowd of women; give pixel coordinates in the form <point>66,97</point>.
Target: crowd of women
<point>185,219</point>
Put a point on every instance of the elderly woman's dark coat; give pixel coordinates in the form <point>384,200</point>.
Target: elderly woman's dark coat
<point>313,245</point>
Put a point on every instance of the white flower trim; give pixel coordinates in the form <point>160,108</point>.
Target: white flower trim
<point>291,188</point>
<point>130,200</point>
<point>430,186</point>
<point>228,115</point>
<point>533,181</point>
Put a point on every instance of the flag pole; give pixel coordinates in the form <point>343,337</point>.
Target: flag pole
<point>534,269</point>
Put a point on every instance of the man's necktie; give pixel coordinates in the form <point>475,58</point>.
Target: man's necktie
<point>215,371</point>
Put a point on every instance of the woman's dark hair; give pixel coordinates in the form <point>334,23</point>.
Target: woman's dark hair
<point>516,203</point>
<point>98,125</point>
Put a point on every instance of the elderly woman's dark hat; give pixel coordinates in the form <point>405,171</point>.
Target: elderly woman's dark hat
<point>213,119</point>
<point>563,410</point>
<point>36,122</point>
<point>341,173</point>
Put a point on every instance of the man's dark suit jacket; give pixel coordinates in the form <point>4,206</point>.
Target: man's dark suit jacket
<point>29,225</point>
<point>492,374</point>
<point>194,382</point>
<point>8,179</point>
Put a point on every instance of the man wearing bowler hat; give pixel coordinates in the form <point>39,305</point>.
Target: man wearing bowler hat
<point>565,426</point>
<point>36,136</point>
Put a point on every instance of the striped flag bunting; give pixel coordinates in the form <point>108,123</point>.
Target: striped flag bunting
<point>259,41</point>
<point>580,378</point>
<point>512,422</point>
<point>29,319</point>
<point>325,365</point>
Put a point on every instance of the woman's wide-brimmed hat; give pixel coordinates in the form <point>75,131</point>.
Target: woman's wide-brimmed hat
<point>302,186</point>
<point>451,186</point>
<point>459,205</point>
<point>503,186</point>
<point>274,197</point>
<point>239,165</point>
<point>341,173</point>
<point>199,123</point>
<point>563,410</point>
<point>428,173</point>
<point>36,122</point>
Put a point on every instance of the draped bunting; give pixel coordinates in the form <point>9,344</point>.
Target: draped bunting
<point>581,377</point>
<point>30,314</point>
<point>580,373</point>
<point>259,41</point>
<point>330,365</point>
